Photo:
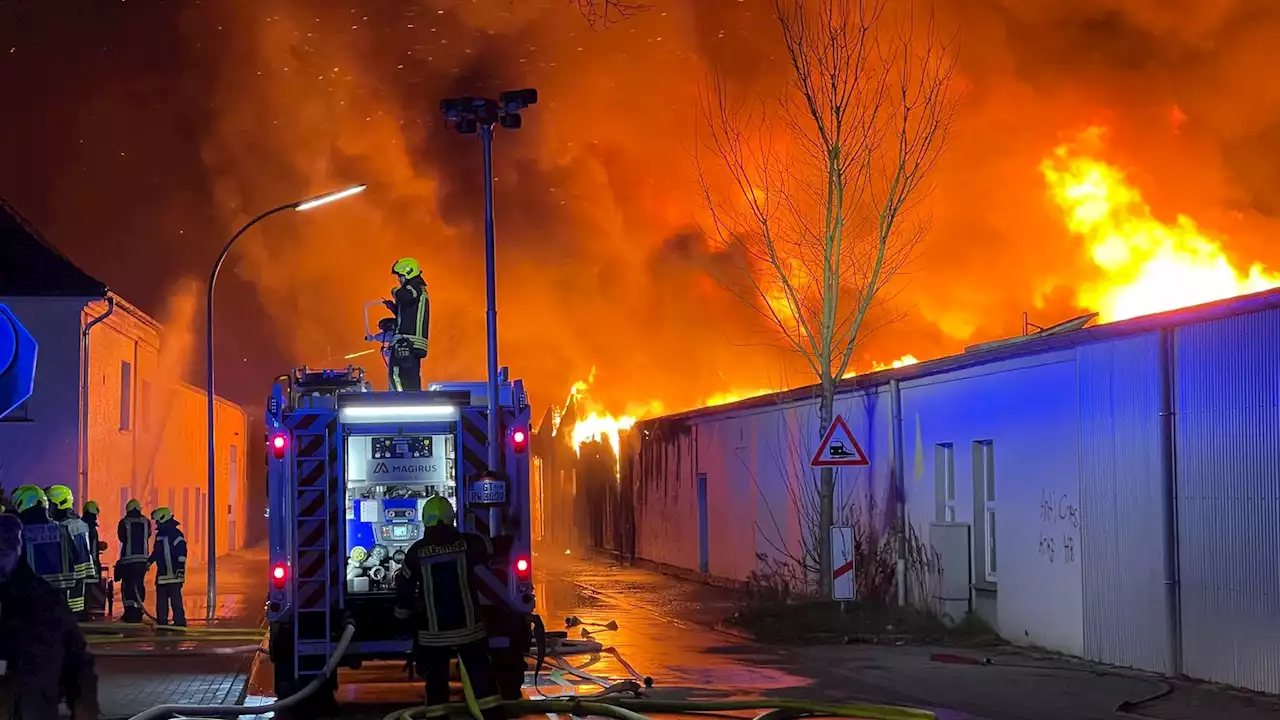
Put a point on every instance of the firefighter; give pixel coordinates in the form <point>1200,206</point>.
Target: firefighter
<point>43,656</point>
<point>47,543</point>
<point>61,502</point>
<point>89,514</point>
<point>435,588</point>
<point>170,559</point>
<point>134,533</point>
<point>412,309</point>
<point>95,593</point>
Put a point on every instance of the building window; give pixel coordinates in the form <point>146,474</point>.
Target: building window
<point>144,405</point>
<point>126,395</point>
<point>984,480</point>
<point>944,481</point>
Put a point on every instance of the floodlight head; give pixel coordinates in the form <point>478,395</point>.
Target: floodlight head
<point>468,126</point>
<point>510,120</point>
<point>455,109</point>
<point>517,100</point>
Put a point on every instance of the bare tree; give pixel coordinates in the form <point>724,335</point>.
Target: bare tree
<point>824,183</point>
<point>602,13</point>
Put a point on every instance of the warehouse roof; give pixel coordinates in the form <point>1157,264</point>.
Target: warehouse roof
<point>31,266</point>
<point>1050,339</point>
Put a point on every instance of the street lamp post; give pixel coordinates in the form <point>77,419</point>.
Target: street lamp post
<point>211,492</point>
<point>473,116</point>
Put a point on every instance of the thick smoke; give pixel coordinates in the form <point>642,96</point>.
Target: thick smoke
<point>251,104</point>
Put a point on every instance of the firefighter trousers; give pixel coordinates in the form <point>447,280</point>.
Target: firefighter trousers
<point>474,657</point>
<point>169,595</point>
<point>405,367</point>
<point>133,590</point>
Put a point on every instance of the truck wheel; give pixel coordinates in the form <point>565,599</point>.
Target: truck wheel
<point>280,650</point>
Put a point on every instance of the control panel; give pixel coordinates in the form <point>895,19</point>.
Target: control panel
<point>401,448</point>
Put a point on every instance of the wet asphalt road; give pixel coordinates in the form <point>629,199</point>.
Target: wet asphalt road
<point>666,630</point>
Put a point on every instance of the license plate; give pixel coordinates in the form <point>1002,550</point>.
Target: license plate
<point>487,492</point>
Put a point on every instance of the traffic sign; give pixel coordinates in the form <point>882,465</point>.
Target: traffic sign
<point>17,362</point>
<point>842,585</point>
<point>839,448</point>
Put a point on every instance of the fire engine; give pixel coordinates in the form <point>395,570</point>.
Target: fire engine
<point>348,471</point>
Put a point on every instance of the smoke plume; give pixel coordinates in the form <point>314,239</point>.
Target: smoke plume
<point>601,263</point>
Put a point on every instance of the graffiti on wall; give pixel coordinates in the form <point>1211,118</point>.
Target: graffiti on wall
<point>1059,528</point>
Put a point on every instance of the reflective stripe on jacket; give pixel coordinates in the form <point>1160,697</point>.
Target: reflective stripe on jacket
<point>134,532</point>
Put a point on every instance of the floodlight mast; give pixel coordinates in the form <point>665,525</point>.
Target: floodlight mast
<point>477,116</point>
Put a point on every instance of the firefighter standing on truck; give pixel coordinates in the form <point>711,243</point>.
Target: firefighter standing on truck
<point>47,543</point>
<point>134,533</point>
<point>61,502</point>
<point>435,587</point>
<point>43,657</point>
<point>170,558</point>
<point>412,309</point>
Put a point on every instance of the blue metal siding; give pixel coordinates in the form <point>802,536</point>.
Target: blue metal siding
<point>1125,614</point>
<point>1228,445</point>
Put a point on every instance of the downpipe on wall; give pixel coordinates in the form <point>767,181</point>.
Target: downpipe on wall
<point>899,487</point>
<point>1169,499</point>
<point>84,394</point>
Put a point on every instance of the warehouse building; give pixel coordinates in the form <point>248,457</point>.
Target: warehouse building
<point>106,418</point>
<point>1111,492</point>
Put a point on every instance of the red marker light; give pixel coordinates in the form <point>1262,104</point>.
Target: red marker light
<point>277,446</point>
<point>519,440</point>
<point>522,568</point>
<point>518,436</point>
<point>278,575</point>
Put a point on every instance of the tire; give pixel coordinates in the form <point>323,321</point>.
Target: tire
<point>280,650</point>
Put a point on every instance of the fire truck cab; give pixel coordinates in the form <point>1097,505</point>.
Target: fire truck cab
<point>348,471</point>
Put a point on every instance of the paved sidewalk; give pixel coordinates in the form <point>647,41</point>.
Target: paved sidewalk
<point>161,670</point>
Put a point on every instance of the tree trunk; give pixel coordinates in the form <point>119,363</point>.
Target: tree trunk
<point>826,495</point>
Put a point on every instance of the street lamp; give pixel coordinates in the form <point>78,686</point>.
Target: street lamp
<point>299,205</point>
<point>478,116</point>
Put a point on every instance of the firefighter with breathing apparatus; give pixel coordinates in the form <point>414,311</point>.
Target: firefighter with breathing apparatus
<point>435,588</point>
<point>134,533</point>
<point>170,559</point>
<point>61,502</point>
<point>43,656</point>
<point>412,310</point>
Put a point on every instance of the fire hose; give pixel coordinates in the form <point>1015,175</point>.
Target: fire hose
<point>605,703</point>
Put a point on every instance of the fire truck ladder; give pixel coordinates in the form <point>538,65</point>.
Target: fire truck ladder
<point>316,511</point>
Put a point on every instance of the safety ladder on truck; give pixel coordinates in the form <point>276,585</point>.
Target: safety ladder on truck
<point>316,505</point>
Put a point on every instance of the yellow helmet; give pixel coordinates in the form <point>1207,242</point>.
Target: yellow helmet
<point>60,496</point>
<point>437,510</point>
<point>27,497</point>
<point>161,514</point>
<point>407,268</point>
<point>90,508</point>
<point>133,505</point>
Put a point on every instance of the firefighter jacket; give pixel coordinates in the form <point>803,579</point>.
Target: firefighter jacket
<point>42,652</point>
<point>81,556</point>
<point>436,586</point>
<point>413,313</point>
<point>134,532</point>
<point>47,548</point>
<point>170,553</point>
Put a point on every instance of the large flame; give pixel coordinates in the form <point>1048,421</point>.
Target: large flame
<point>1148,266</point>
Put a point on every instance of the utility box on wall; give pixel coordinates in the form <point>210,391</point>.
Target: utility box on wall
<point>955,570</point>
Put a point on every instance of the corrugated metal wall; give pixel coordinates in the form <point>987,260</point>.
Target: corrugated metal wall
<point>1228,435</point>
<point>1121,488</point>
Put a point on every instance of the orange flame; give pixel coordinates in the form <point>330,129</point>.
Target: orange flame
<point>1148,266</point>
